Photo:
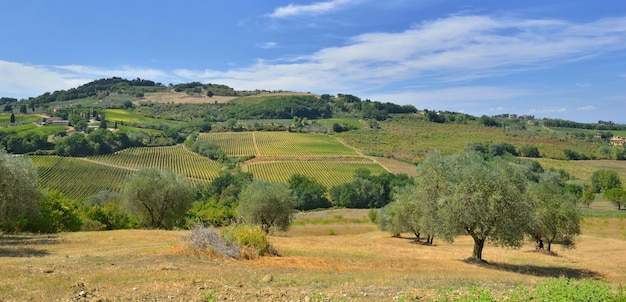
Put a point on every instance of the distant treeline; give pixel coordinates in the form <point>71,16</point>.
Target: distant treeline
<point>601,125</point>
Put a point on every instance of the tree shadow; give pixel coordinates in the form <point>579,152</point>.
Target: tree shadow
<point>22,252</point>
<point>539,271</point>
<point>28,239</point>
<point>19,245</point>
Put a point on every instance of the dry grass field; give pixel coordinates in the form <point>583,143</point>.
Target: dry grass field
<point>357,263</point>
<point>184,98</point>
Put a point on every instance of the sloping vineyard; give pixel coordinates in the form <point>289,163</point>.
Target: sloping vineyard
<point>77,178</point>
<point>196,168</point>
<point>328,173</point>
<point>232,143</point>
<point>300,144</point>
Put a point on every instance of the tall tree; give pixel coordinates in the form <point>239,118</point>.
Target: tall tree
<point>157,198</point>
<point>485,199</point>
<point>268,204</point>
<point>18,192</point>
<point>12,118</point>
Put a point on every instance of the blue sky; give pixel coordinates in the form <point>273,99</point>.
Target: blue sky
<point>559,59</point>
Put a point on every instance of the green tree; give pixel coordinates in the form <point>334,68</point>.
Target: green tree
<point>556,218</point>
<point>602,180</point>
<point>616,195</point>
<point>587,198</point>
<point>18,192</point>
<point>157,198</point>
<point>12,118</point>
<point>529,151</point>
<point>58,214</point>
<point>23,109</point>
<point>268,204</point>
<point>485,199</point>
<point>309,192</point>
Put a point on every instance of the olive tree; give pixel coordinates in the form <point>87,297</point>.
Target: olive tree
<point>268,204</point>
<point>18,192</point>
<point>484,199</point>
<point>616,195</point>
<point>556,217</point>
<point>157,198</point>
<point>602,180</point>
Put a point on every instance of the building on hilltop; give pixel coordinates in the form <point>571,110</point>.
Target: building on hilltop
<point>618,141</point>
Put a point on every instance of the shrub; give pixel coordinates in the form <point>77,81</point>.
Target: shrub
<point>207,240</point>
<point>252,240</point>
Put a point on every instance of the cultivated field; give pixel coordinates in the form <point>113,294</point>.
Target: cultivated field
<point>327,173</point>
<point>78,178</point>
<point>184,98</point>
<point>358,263</point>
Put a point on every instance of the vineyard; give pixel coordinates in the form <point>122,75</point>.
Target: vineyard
<point>278,144</point>
<point>232,143</point>
<point>319,156</point>
<point>196,168</point>
<point>300,144</point>
<point>78,178</point>
<point>328,173</point>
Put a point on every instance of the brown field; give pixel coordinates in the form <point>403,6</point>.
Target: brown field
<point>184,98</point>
<point>358,263</point>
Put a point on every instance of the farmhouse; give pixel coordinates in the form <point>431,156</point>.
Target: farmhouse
<point>618,141</point>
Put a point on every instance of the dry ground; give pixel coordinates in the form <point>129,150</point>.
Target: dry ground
<point>184,98</point>
<point>358,263</point>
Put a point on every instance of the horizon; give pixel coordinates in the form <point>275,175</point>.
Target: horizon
<point>558,60</point>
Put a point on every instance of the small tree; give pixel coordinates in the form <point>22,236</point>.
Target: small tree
<point>157,198</point>
<point>12,118</point>
<point>616,195</point>
<point>556,218</point>
<point>268,204</point>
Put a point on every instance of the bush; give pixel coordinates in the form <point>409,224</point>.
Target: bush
<point>252,240</point>
<point>207,240</point>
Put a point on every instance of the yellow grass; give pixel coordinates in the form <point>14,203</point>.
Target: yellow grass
<point>358,263</point>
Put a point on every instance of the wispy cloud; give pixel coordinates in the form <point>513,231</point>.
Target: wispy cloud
<point>445,53</point>
<point>317,8</point>
<point>267,45</point>
<point>586,108</point>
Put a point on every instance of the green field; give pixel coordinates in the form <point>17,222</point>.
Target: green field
<point>125,116</point>
<point>29,128</point>
<point>78,178</point>
<point>327,173</point>
<point>5,119</point>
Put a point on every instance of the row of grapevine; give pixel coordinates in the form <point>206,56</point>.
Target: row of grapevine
<point>77,178</point>
<point>197,168</point>
<point>328,173</point>
<point>300,144</point>
<point>232,143</point>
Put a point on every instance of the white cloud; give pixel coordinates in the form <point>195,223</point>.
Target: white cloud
<point>445,52</point>
<point>311,9</point>
<point>586,108</point>
<point>550,110</point>
<point>267,45</point>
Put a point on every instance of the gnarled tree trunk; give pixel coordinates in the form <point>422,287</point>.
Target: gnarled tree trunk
<point>479,244</point>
